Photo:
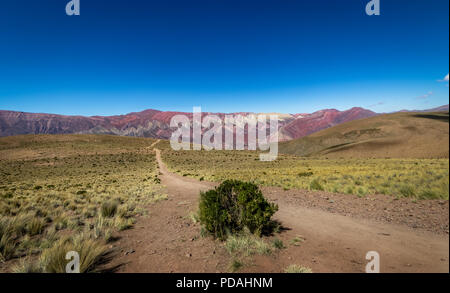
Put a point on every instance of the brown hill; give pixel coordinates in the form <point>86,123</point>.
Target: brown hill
<point>399,135</point>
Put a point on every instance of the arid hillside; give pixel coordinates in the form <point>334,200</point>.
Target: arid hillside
<point>399,135</point>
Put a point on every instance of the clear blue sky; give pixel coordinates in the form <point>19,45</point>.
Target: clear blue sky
<point>288,56</point>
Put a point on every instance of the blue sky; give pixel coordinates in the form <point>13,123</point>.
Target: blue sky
<point>289,56</point>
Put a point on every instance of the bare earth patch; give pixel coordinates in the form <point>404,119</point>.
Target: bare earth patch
<point>428,215</point>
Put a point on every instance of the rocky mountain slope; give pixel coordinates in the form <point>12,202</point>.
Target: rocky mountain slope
<point>156,124</point>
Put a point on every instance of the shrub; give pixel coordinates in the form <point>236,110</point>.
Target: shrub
<point>407,191</point>
<point>236,265</point>
<point>429,194</point>
<point>109,209</point>
<point>277,243</point>
<point>362,191</point>
<point>315,185</point>
<point>234,205</point>
<point>297,269</point>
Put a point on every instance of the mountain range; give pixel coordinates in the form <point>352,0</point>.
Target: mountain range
<point>156,124</point>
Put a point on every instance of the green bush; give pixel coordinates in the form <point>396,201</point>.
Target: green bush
<point>234,205</point>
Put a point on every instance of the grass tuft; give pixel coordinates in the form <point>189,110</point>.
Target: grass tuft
<point>247,244</point>
<point>109,209</point>
<point>278,244</point>
<point>315,185</point>
<point>236,265</point>
<point>296,269</point>
<point>53,260</point>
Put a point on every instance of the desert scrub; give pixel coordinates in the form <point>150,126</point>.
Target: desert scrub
<point>109,208</point>
<point>315,185</point>
<point>7,245</point>
<point>407,191</point>
<point>194,217</point>
<point>296,269</point>
<point>278,244</point>
<point>246,244</point>
<point>35,226</point>
<point>53,260</point>
<point>297,240</point>
<point>76,176</point>
<point>236,265</point>
<point>233,206</point>
<point>27,266</point>
<point>428,178</point>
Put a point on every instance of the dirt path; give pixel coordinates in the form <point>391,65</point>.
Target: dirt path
<point>168,241</point>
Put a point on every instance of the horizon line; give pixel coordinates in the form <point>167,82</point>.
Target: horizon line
<point>215,112</point>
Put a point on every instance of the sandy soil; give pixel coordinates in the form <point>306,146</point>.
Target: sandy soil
<point>338,230</point>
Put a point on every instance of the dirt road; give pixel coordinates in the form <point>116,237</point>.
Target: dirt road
<point>168,241</point>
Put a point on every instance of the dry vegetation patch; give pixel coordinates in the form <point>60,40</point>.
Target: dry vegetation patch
<point>413,178</point>
<point>89,188</point>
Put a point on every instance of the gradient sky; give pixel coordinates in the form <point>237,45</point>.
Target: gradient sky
<point>289,56</point>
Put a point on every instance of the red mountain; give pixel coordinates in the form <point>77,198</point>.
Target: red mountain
<point>156,124</point>
<point>310,123</point>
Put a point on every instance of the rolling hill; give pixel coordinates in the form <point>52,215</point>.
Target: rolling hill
<point>398,135</point>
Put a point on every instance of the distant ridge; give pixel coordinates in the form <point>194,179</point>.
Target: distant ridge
<point>443,108</point>
<point>156,124</point>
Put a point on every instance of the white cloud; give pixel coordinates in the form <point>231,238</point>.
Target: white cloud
<point>445,79</point>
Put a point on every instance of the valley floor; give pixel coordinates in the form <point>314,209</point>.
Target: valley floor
<point>336,232</point>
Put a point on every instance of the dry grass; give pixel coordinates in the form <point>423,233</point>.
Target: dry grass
<point>71,185</point>
<point>243,246</point>
<point>296,269</point>
<point>247,244</point>
<point>53,260</point>
<point>414,178</point>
